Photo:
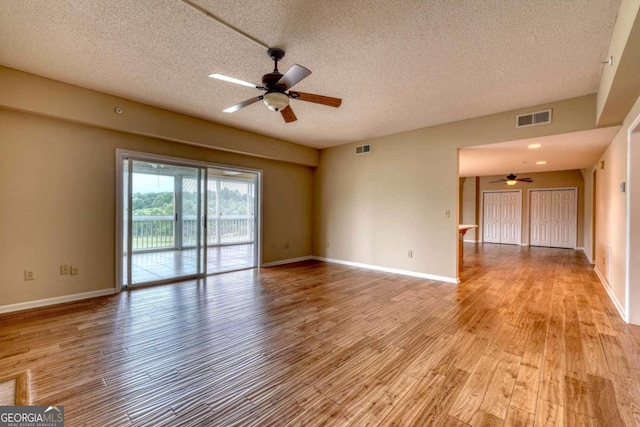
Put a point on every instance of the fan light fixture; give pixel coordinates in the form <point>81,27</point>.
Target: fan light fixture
<point>512,179</point>
<point>277,87</point>
<point>276,101</point>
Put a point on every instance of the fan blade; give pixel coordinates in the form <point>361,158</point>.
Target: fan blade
<point>318,99</point>
<point>234,80</point>
<point>243,104</point>
<point>500,180</point>
<point>288,115</point>
<point>293,76</point>
<point>524,179</point>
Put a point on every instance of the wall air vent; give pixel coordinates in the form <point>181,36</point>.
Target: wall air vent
<point>533,119</point>
<point>363,149</point>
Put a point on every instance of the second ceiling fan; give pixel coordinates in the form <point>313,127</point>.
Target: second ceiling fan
<point>277,87</point>
<point>512,179</point>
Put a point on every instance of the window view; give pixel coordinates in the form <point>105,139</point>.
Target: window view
<point>169,222</point>
<point>153,205</point>
<point>230,220</point>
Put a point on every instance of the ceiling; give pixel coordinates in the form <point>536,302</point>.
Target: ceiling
<point>567,151</point>
<point>398,65</point>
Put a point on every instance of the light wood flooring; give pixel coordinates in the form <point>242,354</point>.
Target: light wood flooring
<point>528,338</point>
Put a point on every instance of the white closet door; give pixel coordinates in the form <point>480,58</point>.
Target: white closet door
<point>502,216</point>
<point>511,209</point>
<point>491,218</point>
<point>540,221</point>
<point>563,219</point>
<point>553,218</point>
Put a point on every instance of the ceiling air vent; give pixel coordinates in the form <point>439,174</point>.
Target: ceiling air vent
<point>532,119</point>
<point>363,149</point>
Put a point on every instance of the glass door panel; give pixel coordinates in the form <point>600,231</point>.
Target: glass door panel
<point>165,223</point>
<point>153,205</point>
<point>231,210</point>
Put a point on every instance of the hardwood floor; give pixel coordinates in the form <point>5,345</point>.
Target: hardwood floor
<point>528,338</point>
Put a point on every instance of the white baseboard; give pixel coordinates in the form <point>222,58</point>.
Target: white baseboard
<point>287,261</point>
<point>612,297</point>
<point>55,300</point>
<point>471,241</point>
<point>584,251</point>
<point>391,270</point>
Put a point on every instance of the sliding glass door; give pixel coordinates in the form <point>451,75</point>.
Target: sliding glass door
<point>183,219</point>
<point>164,231</point>
<point>231,224</point>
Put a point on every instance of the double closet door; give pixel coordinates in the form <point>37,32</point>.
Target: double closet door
<point>502,217</point>
<point>553,218</point>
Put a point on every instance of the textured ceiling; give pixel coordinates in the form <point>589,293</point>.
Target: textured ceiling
<point>561,152</point>
<point>398,65</point>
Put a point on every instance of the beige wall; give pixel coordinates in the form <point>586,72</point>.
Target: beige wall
<point>611,213</point>
<point>373,208</point>
<point>587,175</point>
<point>461,182</point>
<point>546,180</point>
<point>57,195</point>
<point>26,92</point>
<point>468,206</point>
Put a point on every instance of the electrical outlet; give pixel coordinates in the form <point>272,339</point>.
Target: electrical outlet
<point>74,270</point>
<point>410,254</point>
<point>447,213</point>
<point>64,269</point>
<point>28,275</point>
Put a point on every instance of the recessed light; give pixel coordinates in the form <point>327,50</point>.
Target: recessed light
<point>534,146</point>
<point>541,162</point>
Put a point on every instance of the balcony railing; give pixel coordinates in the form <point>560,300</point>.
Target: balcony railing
<point>158,232</point>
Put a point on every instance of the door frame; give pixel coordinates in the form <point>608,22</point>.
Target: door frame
<point>575,210</point>
<point>632,234</point>
<point>121,154</point>
<point>481,219</point>
<point>594,216</point>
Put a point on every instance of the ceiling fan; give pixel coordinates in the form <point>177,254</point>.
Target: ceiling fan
<point>512,179</point>
<point>276,86</point>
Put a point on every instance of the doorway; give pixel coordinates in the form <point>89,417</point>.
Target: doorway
<point>502,217</point>
<point>182,219</point>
